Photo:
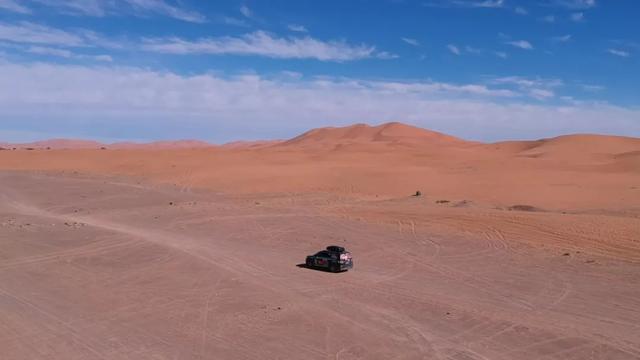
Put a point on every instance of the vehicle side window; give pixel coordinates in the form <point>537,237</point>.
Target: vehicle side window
<point>324,254</point>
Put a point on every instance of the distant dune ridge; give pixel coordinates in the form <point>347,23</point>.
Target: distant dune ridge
<point>71,144</point>
<point>393,132</point>
<point>389,133</point>
<point>588,172</point>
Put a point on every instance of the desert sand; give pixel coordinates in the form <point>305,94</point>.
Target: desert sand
<point>515,250</point>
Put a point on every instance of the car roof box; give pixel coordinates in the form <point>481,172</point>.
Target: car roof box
<point>334,248</point>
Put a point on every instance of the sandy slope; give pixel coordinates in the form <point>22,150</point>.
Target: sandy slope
<point>106,268</point>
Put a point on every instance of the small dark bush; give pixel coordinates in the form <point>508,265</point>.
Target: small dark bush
<point>523,208</point>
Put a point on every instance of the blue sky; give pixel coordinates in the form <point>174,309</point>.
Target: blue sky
<point>224,70</point>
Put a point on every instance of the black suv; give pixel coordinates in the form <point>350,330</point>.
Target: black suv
<point>334,259</point>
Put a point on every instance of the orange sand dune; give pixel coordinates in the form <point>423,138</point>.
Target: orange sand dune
<point>361,133</point>
<point>179,144</point>
<point>250,144</point>
<point>582,172</point>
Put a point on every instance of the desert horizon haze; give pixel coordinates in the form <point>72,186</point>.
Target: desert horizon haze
<point>344,180</point>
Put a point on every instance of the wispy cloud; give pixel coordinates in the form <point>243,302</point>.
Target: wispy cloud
<point>527,82</point>
<point>164,8</point>
<point>537,88</point>
<point>467,3</point>
<point>561,39</point>
<point>522,44</point>
<point>297,28</point>
<point>80,7</point>
<point>101,8</point>
<point>229,20</point>
<point>521,11</point>
<point>577,17</point>
<point>472,50</point>
<point>30,33</point>
<point>541,94</point>
<point>411,41</point>
<point>27,32</point>
<point>40,50</point>
<point>573,4</point>
<point>246,12</point>
<point>261,43</point>
<point>50,51</point>
<point>14,6</point>
<point>618,52</point>
<point>548,19</point>
<point>501,54</point>
<point>592,88</point>
<point>454,49</point>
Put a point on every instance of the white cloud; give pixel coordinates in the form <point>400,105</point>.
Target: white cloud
<point>501,54</point>
<point>297,28</point>
<point>467,3</point>
<point>31,33</point>
<point>574,4</point>
<point>162,7</point>
<point>42,50</point>
<point>593,88</point>
<point>410,41</point>
<point>101,8</point>
<point>454,49</point>
<point>541,94</point>
<point>549,18</point>
<point>522,44</point>
<point>472,50</point>
<point>562,39</point>
<point>228,20</point>
<point>521,11</point>
<point>130,96</point>
<point>50,51</point>
<point>246,12</point>
<point>577,17</point>
<point>12,5</point>
<point>617,52</point>
<point>537,88</point>
<point>78,7</point>
<point>26,32</point>
<point>261,43</point>
<point>106,58</point>
<point>526,82</point>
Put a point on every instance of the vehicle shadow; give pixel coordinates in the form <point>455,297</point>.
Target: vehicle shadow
<point>305,266</point>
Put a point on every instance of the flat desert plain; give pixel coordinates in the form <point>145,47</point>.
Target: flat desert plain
<point>514,250</point>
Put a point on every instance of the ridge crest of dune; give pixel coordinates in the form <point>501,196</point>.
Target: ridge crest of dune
<point>393,132</point>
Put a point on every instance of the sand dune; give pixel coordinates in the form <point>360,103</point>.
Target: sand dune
<point>580,172</point>
<point>393,132</point>
<point>580,147</point>
<point>250,144</point>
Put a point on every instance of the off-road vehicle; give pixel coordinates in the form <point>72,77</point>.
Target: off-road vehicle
<point>334,259</point>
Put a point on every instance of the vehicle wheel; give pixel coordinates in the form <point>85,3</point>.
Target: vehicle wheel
<point>333,268</point>
<point>309,262</point>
